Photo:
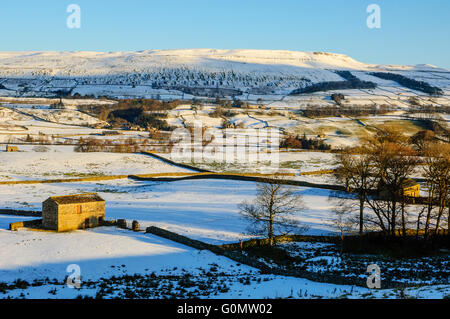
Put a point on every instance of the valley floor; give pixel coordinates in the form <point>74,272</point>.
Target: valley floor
<point>125,264</point>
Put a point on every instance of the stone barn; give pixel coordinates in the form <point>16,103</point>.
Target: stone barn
<point>11,148</point>
<point>411,188</point>
<point>65,213</point>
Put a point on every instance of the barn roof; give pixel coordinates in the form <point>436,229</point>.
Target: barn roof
<point>410,183</point>
<point>78,198</point>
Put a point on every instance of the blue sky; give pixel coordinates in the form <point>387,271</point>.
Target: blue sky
<point>412,31</point>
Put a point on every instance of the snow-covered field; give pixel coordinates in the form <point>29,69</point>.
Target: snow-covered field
<point>201,209</point>
<point>206,210</point>
<point>285,162</point>
<point>185,207</point>
<point>63,162</point>
<point>107,252</point>
<point>112,253</point>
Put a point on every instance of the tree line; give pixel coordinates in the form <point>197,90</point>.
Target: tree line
<point>146,113</point>
<point>351,111</point>
<point>378,173</point>
<point>90,144</point>
<point>351,82</point>
<point>302,142</point>
<point>409,83</point>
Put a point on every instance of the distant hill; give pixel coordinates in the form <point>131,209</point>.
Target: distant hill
<point>196,72</point>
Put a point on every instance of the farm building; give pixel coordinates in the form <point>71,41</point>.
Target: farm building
<point>64,213</point>
<point>411,188</point>
<point>12,148</point>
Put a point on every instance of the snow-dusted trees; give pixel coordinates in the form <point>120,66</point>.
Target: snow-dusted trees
<point>409,83</point>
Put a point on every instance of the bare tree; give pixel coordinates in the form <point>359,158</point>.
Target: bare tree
<point>421,138</point>
<point>356,171</point>
<point>437,175</point>
<point>272,212</point>
<point>343,215</point>
<point>393,165</point>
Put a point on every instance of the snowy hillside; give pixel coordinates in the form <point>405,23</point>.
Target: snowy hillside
<point>97,63</point>
<point>198,72</point>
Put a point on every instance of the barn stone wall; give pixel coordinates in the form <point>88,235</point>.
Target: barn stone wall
<point>66,217</point>
<point>412,191</point>
<point>50,215</point>
<point>28,223</point>
<point>70,217</point>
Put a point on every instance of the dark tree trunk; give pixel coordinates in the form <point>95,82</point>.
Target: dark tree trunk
<point>361,215</point>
